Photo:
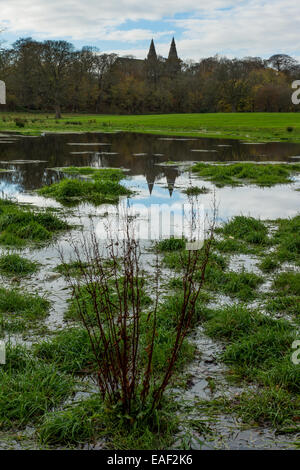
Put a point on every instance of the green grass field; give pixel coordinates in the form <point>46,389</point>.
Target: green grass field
<point>244,126</point>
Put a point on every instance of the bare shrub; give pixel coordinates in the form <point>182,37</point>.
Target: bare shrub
<point>111,295</point>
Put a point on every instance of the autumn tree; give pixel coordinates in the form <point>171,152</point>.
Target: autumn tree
<point>103,71</point>
<point>56,57</point>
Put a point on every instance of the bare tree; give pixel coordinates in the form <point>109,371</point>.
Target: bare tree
<point>282,62</point>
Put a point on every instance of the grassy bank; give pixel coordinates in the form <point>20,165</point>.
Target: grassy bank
<point>244,126</point>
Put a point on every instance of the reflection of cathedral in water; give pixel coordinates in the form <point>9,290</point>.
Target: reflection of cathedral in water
<point>143,165</point>
<point>169,173</point>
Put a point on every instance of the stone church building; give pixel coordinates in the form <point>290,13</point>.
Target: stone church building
<point>153,66</point>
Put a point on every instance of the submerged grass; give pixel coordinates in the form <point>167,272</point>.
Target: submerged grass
<point>286,304</point>
<point>174,257</point>
<point>241,285</point>
<point>235,321</point>
<point>253,338</point>
<point>245,173</point>
<point>269,264</point>
<point>15,265</point>
<point>74,268</point>
<point>287,283</point>
<point>287,239</point>
<point>29,388</point>
<point>248,229</point>
<point>110,174</point>
<point>85,300</point>
<point>103,187</point>
<point>231,245</point>
<point>259,348</point>
<point>91,419</point>
<point>250,236</point>
<point>74,424</point>
<point>22,225</point>
<point>171,244</point>
<point>195,191</point>
<point>69,350</point>
<point>16,304</point>
<point>283,373</point>
<point>273,405</point>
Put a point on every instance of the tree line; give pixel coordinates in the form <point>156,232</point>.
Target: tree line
<point>53,75</point>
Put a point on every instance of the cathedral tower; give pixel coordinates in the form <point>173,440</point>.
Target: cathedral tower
<point>152,65</point>
<point>152,52</point>
<point>173,51</point>
<point>173,62</point>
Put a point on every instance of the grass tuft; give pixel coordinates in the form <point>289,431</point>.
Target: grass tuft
<point>195,191</point>
<point>70,350</point>
<point>29,391</point>
<point>20,225</point>
<point>235,321</point>
<point>17,304</point>
<point>171,244</point>
<point>274,405</point>
<point>245,173</point>
<point>91,419</point>
<point>103,187</point>
<point>287,238</point>
<point>248,229</point>
<point>269,264</point>
<point>15,265</point>
<point>287,283</point>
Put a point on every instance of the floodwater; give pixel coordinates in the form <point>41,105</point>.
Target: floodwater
<point>31,161</point>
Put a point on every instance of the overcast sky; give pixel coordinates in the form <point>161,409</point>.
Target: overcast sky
<point>201,28</point>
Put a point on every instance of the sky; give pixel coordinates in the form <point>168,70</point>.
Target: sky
<point>201,28</point>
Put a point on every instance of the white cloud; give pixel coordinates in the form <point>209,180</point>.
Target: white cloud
<point>235,28</point>
<point>132,35</point>
<point>85,19</point>
<point>258,28</point>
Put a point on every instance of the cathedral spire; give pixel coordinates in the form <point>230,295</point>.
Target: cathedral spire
<point>173,50</point>
<point>152,52</point>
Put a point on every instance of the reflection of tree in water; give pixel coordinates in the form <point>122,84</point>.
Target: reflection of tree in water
<point>139,153</point>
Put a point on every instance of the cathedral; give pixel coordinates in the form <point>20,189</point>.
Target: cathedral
<point>154,66</point>
<point>173,56</point>
<point>170,66</point>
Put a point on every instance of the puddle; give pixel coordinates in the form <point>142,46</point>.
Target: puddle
<point>246,262</point>
<point>86,143</point>
<point>201,150</point>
